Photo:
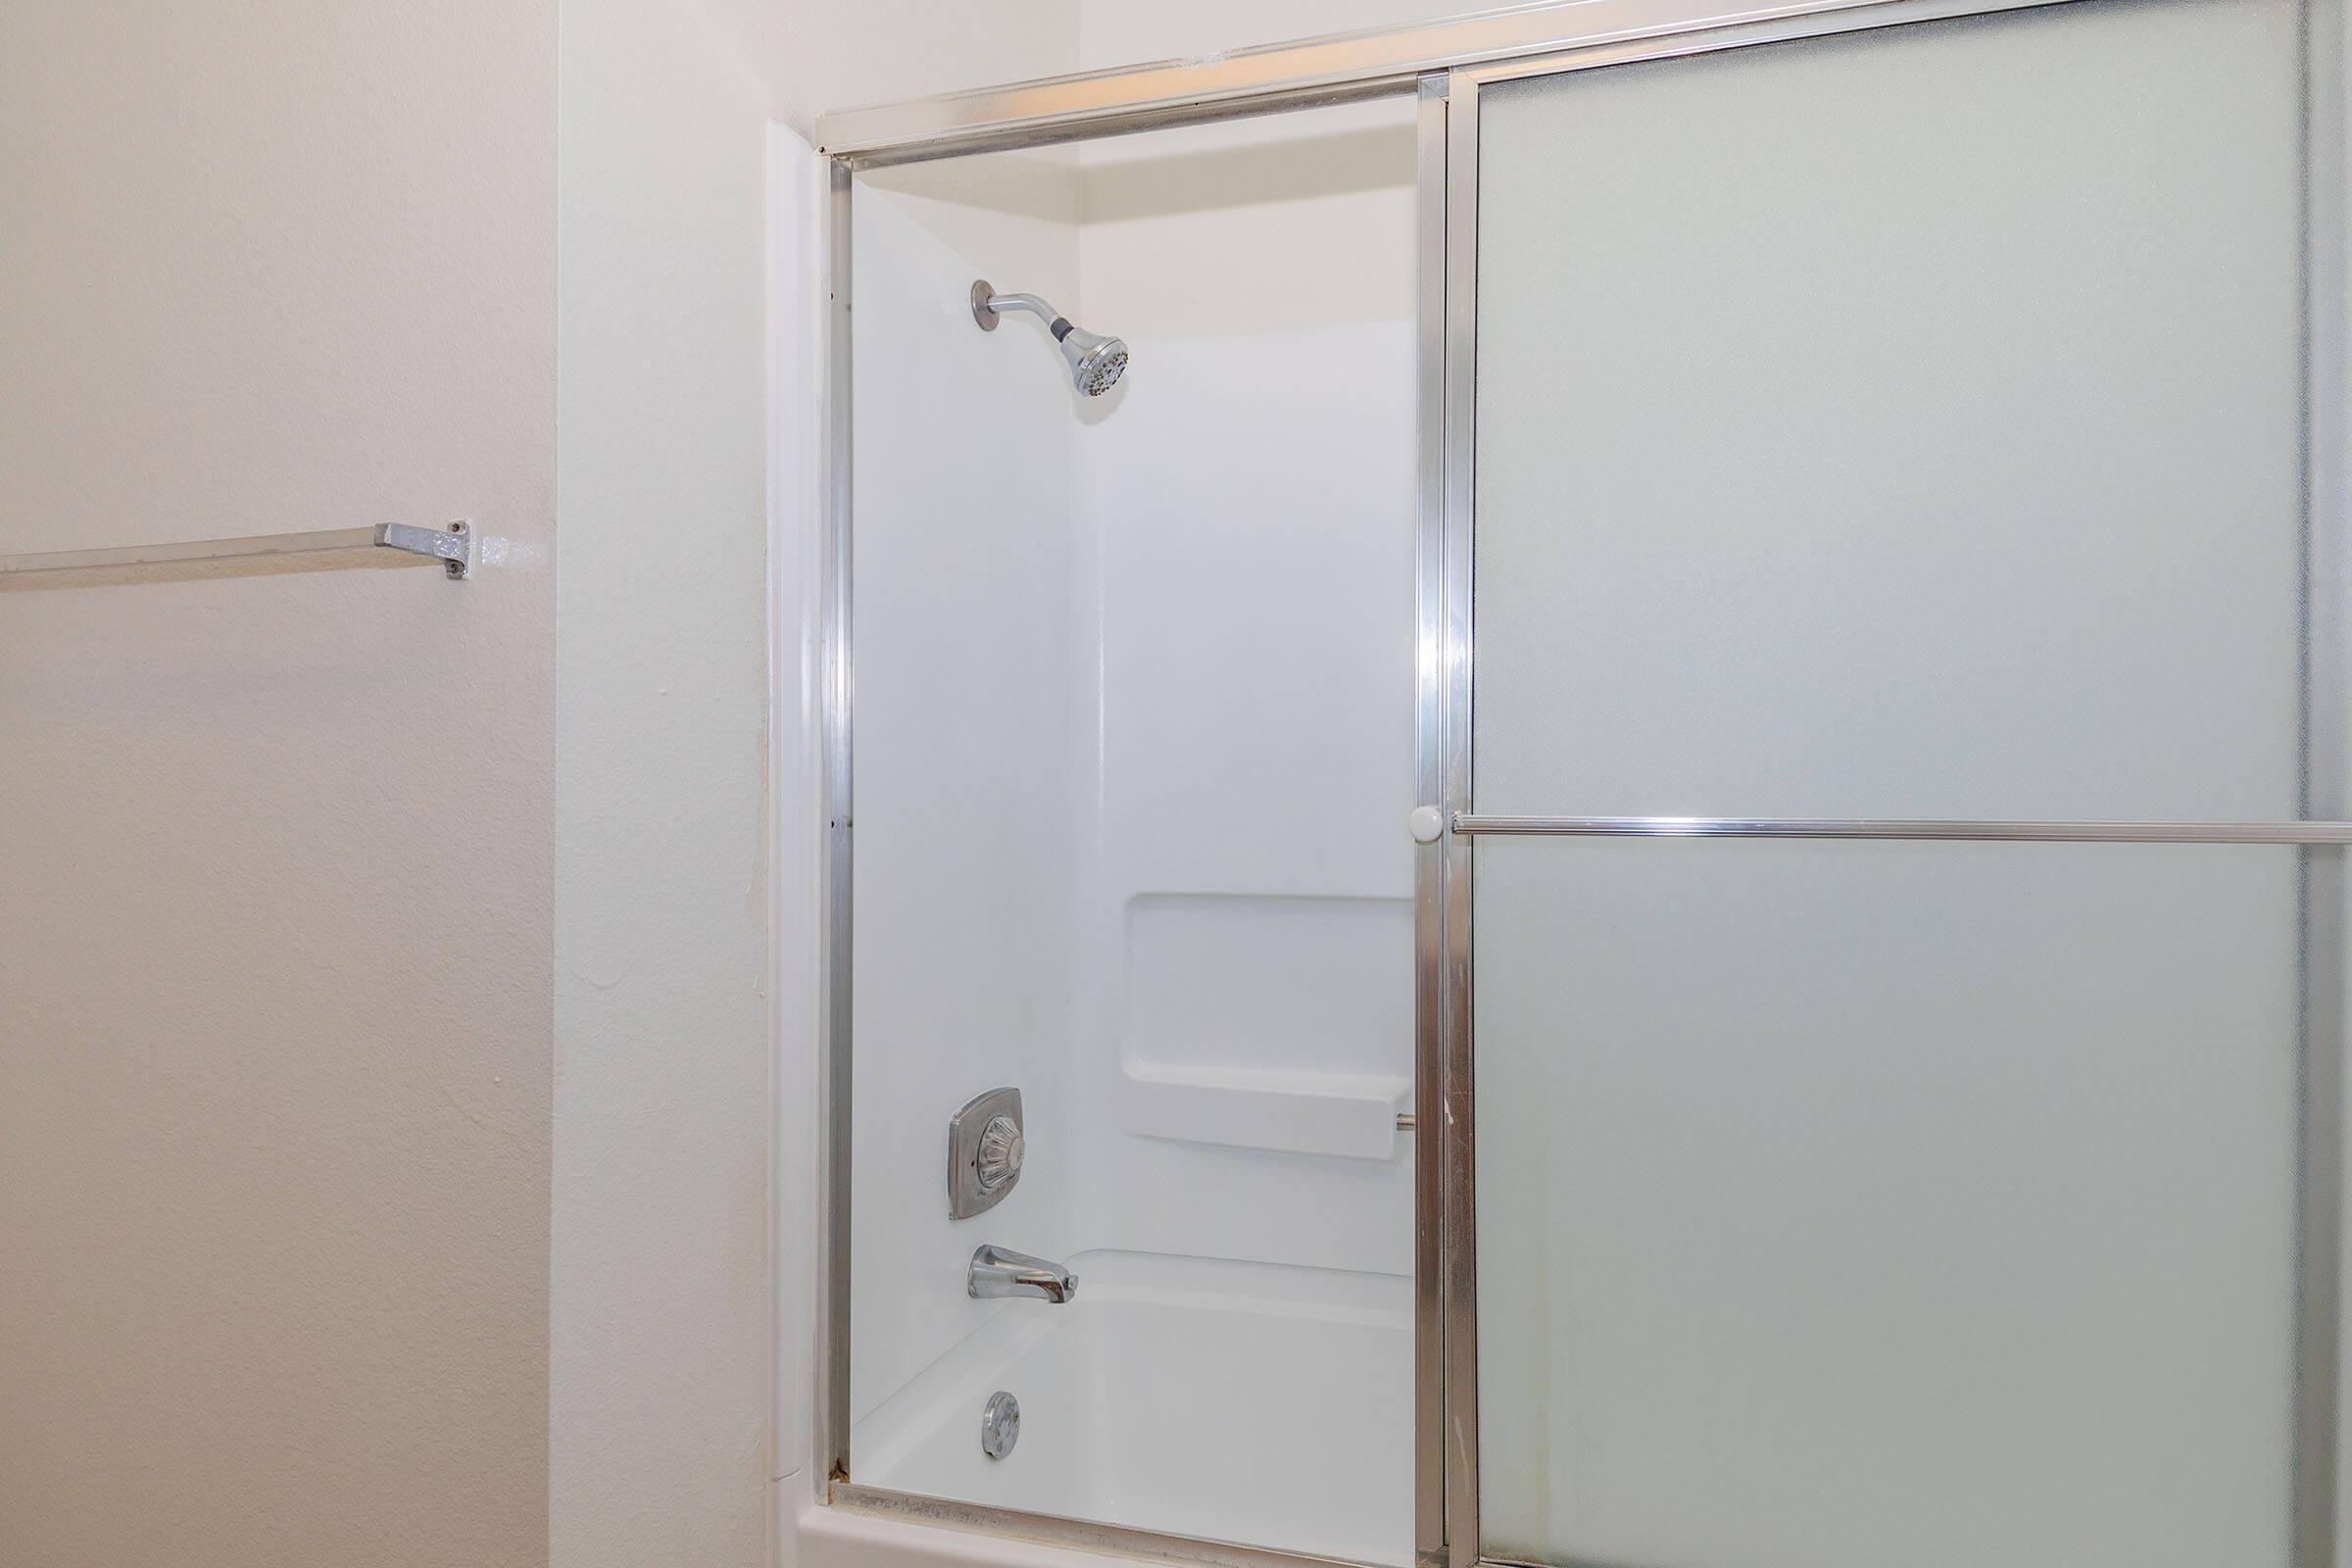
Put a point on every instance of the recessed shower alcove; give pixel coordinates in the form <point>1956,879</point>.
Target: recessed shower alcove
<point>1135,733</point>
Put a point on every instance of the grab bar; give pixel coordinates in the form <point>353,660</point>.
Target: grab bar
<point>1469,824</point>
<point>455,546</point>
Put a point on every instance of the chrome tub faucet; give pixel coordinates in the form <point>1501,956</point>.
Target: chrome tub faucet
<point>998,1271</point>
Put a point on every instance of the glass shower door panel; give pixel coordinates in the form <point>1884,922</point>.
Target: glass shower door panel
<point>1899,424</point>
<point>1904,424</point>
<point>1857,1204</point>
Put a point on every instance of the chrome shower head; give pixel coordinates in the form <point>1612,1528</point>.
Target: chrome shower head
<point>1096,362</point>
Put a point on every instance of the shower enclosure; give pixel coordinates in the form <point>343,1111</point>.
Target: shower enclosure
<point>1855,1076</point>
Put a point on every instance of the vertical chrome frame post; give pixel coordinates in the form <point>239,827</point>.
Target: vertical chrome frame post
<point>839,694</point>
<point>2321,884</point>
<point>1456,1108</point>
<point>1430,676</point>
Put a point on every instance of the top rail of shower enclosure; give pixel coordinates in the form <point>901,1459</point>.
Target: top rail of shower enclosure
<point>1302,73</point>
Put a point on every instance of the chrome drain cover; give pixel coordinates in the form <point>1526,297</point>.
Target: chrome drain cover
<point>1000,1425</point>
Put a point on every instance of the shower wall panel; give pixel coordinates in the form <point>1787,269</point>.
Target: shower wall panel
<point>970,706</point>
<point>1134,701</point>
<point>1251,497</point>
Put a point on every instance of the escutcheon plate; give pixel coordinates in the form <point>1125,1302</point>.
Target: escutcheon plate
<point>986,1144</point>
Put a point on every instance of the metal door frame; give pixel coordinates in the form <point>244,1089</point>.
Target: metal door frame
<point>1446,66</point>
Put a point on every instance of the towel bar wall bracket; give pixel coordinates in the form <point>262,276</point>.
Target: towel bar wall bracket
<point>454,546</point>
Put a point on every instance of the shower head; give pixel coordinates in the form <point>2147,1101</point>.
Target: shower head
<point>1096,362</point>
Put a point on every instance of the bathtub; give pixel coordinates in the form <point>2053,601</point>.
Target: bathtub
<point>1246,1403</point>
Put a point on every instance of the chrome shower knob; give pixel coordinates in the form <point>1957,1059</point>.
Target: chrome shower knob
<point>1000,1156</point>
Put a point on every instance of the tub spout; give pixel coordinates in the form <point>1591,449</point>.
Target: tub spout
<point>1001,1271</point>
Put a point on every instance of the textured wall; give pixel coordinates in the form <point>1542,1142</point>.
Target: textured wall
<point>662,1284</point>
<point>274,850</point>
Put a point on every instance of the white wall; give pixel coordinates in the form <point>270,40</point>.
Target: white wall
<point>275,1032</point>
<point>275,940</point>
<point>682,1238</point>
<point>839,53</point>
<point>972,714</point>
<point>1244,973</point>
<point>661,1294</point>
<point>1125,32</point>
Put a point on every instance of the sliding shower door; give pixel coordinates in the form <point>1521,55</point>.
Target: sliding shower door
<point>1911,428</point>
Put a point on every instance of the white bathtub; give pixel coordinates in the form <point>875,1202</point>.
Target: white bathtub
<point>1238,1402</point>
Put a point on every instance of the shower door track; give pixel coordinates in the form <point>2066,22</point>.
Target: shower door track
<point>1528,39</point>
<point>1444,64</point>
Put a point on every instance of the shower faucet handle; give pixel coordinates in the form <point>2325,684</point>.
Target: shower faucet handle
<point>986,1144</point>
<point>1000,1149</point>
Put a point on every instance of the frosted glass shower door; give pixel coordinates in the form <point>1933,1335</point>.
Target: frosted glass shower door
<point>1904,424</point>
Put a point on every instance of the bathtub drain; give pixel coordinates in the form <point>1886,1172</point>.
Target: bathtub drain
<point>1000,1425</point>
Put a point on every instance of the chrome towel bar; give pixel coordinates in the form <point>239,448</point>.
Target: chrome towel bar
<point>455,546</point>
<point>1470,824</point>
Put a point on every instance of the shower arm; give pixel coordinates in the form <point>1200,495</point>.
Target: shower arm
<point>1096,362</point>
<point>986,310</point>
